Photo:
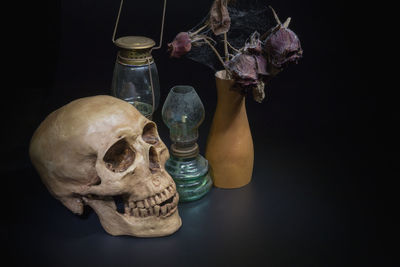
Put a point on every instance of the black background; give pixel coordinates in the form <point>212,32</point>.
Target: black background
<point>312,200</point>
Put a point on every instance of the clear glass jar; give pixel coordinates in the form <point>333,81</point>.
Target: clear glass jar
<point>132,84</point>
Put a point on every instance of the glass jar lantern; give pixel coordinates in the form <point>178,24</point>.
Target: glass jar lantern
<point>135,77</point>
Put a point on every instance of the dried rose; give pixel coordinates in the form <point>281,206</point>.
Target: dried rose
<point>181,45</point>
<point>253,46</point>
<point>243,68</point>
<point>220,22</point>
<point>283,47</point>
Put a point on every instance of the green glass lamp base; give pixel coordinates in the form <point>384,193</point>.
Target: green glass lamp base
<point>191,177</point>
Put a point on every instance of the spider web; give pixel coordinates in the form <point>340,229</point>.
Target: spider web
<point>247,16</point>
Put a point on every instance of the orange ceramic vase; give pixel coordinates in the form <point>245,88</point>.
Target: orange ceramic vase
<point>229,149</point>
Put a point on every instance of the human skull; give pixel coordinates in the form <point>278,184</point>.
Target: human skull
<point>98,150</point>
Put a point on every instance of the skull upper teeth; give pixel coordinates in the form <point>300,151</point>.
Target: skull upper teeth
<point>160,204</point>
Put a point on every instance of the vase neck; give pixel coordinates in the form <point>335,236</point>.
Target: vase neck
<point>228,98</point>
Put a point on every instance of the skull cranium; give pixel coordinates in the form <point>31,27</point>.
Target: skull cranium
<point>99,149</point>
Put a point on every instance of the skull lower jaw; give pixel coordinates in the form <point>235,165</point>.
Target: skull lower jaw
<point>116,223</point>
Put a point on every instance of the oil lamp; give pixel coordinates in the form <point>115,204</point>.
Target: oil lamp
<point>183,112</point>
<point>135,77</point>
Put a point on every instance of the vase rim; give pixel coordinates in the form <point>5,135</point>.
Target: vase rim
<point>182,89</point>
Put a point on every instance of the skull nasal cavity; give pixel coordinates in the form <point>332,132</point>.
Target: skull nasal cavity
<point>119,156</point>
<point>154,164</point>
<point>150,134</point>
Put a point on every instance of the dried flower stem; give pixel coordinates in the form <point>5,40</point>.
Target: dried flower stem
<point>234,49</point>
<point>275,15</point>
<point>200,29</point>
<point>216,53</point>
<point>226,47</point>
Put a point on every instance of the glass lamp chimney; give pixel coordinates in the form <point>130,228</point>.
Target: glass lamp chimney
<point>183,112</point>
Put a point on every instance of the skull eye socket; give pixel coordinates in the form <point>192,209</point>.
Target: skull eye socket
<point>119,156</point>
<point>150,134</point>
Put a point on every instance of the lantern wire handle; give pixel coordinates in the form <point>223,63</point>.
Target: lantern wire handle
<point>116,23</point>
<point>162,27</point>
<point>162,24</point>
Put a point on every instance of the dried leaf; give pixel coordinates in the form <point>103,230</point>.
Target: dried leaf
<point>258,92</point>
<point>261,66</point>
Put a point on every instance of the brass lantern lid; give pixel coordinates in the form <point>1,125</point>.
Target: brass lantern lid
<point>134,42</point>
<point>135,50</point>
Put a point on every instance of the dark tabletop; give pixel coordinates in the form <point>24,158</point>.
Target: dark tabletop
<point>312,198</point>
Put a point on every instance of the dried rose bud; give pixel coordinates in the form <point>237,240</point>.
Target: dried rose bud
<point>220,22</point>
<point>180,46</point>
<point>283,47</point>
